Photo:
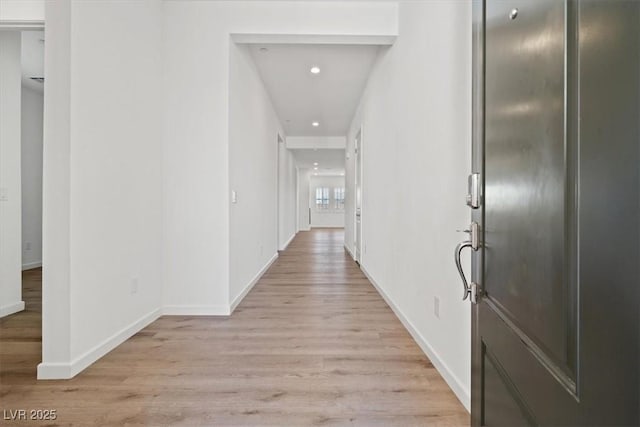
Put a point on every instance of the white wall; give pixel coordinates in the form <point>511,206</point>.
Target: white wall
<point>416,156</point>
<point>196,167</point>
<point>31,118</point>
<point>287,176</point>
<point>26,11</point>
<point>330,217</point>
<point>253,150</point>
<point>102,205</point>
<point>10,191</point>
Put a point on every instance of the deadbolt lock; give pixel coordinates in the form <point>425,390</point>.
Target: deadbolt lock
<point>473,194</point>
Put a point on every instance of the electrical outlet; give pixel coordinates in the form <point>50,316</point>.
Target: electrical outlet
<point>4,194</point>
<point>134,285</point>
<point>436,307</point>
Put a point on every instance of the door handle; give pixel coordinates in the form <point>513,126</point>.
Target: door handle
<point>469,289</point>
<point>466,291</point>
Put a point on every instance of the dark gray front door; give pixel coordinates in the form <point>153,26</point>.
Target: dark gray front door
<point>556,325</point>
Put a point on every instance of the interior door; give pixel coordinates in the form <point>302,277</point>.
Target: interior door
<point>358,221</point>
<point>555,276</point>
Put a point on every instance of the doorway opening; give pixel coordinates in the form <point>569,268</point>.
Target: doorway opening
<point>314,89</point>
<point>21,166</point>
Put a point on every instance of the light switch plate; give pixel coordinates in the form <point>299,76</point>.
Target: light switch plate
<point>234,196</point>
<point>4,194</point>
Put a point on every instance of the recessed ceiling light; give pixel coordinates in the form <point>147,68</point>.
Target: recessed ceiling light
<point>315,163</point>
<point>315,124</point>
<point>316,168</point>
<point>316,173</point>
<point>315,70</point>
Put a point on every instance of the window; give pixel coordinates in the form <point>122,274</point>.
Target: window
<point>338,195</point>
<point>322,198</point>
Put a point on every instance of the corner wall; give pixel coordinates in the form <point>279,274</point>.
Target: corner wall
<point>416,118</point>
<point>102,204</point>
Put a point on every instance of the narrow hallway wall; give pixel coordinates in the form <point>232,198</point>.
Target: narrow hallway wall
<point>253,155</point>
<point>31,158</point>
<point>416,119</point>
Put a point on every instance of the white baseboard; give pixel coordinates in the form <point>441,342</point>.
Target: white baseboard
<point>9,309</point>
<point>60,371</point>
<point>284,247</point>
<point>462,393</point>
<point>252,283</point>
<point>349,251</point>
<point>218,310</point>
<point>196,310</point>
<point>31,265</point>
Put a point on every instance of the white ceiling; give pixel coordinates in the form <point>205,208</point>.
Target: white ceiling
<point>33,59</point>
<point>301,97</point>
<point>330,161</point>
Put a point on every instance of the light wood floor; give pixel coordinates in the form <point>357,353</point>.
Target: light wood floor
<point>312,344</point>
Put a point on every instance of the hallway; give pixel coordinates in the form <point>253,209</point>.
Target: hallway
<point>312,344</point>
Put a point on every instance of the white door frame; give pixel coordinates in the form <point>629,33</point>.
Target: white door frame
<point>279,141</point>
<point>358,163</point>
<point>29,25</point>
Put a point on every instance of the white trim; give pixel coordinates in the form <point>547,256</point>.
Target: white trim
<point>31,265</point>
<point>349,251</point>
<point>252,283</point>
<point>288,242</point>
<point>59,371</point>
<point>196,310</point>
<point>461,392</point>
<point>373,39</point>
<point>25,25</point>
<point>9,309</point>
<point>54,371</point>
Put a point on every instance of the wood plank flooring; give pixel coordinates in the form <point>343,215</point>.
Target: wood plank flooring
<point>312,344</point>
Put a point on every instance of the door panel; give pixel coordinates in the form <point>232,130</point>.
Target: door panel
<point>556,141</point>
<point>525,174</point>
<point>609,129</point>
<point>504,406</point>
